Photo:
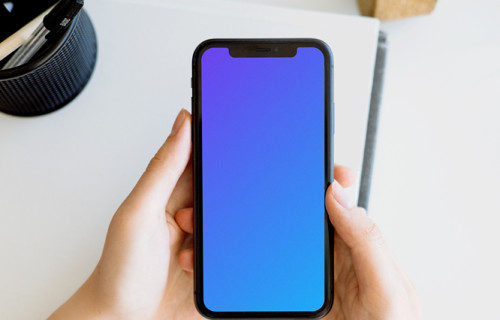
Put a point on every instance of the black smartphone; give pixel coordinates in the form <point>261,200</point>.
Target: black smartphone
<point>263,124</point>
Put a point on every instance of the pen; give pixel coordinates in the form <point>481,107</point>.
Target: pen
<point>54,23</point>
<point>16,40</point>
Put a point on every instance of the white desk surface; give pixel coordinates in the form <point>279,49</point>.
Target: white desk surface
<point>437,171</point>
<point>63,175</point>
<point>436,187</point>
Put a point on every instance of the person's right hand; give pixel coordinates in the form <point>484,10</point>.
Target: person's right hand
<point>369,283</point>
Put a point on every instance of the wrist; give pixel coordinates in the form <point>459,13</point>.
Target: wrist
<point>82,305</point>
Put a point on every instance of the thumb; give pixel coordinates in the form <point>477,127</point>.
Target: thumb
<point>158,181</point>
<point>369,252</point>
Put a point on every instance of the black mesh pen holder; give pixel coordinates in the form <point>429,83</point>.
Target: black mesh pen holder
<point>53,78</point>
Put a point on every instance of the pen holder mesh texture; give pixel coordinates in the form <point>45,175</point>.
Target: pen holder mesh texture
<point>54,78</point>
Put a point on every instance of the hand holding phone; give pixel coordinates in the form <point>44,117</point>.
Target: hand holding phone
<point>146,269</point>
<point>133,281</point>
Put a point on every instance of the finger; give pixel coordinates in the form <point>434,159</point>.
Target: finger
<point>186,260</point>
<point>182,195</point>
<point>184,219</point>
<point>341,256</point>
<point>370,255</point>
<point>342,264</point>
<point>344,175</point>
<point>158,181</point>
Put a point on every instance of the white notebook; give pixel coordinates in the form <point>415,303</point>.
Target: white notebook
<point>63,175</point>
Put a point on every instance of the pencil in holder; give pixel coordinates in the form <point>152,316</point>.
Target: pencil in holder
<point>53,78</point>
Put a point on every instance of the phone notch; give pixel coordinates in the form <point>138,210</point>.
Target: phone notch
<point>264,50</point>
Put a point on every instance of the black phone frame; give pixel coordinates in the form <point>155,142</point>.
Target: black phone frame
<point>259,48</point>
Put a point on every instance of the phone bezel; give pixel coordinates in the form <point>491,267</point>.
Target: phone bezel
<point>242,46</point>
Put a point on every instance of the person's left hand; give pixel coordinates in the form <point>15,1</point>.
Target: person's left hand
<point>139,275</point>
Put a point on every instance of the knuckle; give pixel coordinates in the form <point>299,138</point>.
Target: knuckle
<point>361,211</point>
<point>155,162</point>
<point>373,234</point>
<point>160,158</point>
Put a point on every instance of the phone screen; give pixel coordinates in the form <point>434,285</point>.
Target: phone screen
<point>263,181</point>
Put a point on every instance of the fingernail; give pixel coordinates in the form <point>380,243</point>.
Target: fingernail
<point>178,122</point>
<point>341,195</point>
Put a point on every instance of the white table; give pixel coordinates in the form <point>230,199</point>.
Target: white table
<point>63,175</point>
<point>437,171</point>
<point>436,182</point>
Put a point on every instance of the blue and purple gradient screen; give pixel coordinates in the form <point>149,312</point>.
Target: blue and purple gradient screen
<point>263,173</point>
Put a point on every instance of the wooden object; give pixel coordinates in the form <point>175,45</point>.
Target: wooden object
<point>395,9</point>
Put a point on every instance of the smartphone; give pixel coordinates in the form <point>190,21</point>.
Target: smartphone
<point>262,159</point>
